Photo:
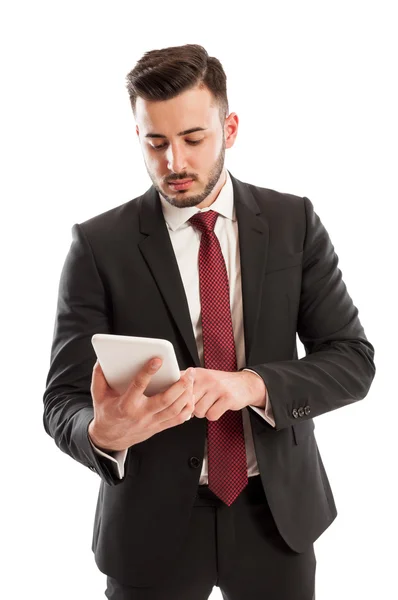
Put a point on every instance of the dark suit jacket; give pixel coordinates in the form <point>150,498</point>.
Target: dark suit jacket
<point>121,276</point>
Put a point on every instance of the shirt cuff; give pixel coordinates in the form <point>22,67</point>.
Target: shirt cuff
<point>118,459</point>
<point>266,412</point>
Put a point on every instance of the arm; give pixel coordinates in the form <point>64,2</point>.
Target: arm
<point>117,458</point>
<point>82,310</point>
<point>265,410</point>
<point>338,368</point>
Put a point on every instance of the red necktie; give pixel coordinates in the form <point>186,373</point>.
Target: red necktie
<point>227,463</point>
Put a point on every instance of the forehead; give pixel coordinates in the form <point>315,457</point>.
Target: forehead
<point>192,108</point>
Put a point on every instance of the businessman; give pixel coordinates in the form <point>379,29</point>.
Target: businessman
<point>218,480</point>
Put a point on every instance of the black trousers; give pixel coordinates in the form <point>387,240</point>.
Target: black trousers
<point>236,548</point>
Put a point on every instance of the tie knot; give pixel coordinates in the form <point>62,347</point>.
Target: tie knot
<point>204,221</point>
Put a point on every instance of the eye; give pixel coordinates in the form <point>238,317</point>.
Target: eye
<point>190,142</point>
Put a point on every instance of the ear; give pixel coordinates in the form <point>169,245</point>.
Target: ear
<point>231,129</point>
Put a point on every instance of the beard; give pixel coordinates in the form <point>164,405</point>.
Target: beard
<point>180,200</point>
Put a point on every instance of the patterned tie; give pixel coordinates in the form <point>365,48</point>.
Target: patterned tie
<point>226,450</point>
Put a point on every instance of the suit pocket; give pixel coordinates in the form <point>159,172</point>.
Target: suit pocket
<point>302,430</point>
<point>279,261</point>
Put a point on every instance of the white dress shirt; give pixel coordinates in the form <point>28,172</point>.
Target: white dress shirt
<point>185,240</point>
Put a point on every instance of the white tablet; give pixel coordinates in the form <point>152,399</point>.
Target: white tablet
<point>122,356</point>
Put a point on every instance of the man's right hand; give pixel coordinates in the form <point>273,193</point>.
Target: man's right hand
<point>120,421</point>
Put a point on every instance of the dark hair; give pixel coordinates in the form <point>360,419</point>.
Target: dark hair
<point>163,74</point>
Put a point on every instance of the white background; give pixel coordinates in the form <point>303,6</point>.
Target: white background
<point>314,86</point>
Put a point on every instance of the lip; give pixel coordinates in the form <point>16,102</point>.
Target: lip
<point>182,184</point>
<point>180,181</point>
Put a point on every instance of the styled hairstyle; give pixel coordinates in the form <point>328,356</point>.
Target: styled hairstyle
<point>163,74</point>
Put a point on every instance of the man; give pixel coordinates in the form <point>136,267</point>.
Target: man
<point>217,481</point>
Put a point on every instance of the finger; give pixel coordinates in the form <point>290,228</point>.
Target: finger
<point>203,404</point>
<point>217,409</point>
<point>170,403</point>
<point>179,411</point>
<point>140,382</point>
<point>198,395</point>
<point>191,372</point>
<point>163,400</point>
<point>211,406</point>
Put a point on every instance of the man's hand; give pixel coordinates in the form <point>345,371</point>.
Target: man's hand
<point>120,421</point>
<point>215,392</point>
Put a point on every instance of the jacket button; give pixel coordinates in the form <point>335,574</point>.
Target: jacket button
<point>307,410</point>
<point>194,462</point>
<point>295,413</point>
<point>301,411</point>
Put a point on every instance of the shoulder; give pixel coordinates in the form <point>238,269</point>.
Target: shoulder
<point>120,216</point>
<point>107,230</point>
<point>273,204</point>
<point>271,200</point>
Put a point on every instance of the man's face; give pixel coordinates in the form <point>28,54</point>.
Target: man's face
<point>183,139</point>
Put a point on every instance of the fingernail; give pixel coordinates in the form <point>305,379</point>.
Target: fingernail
<point>155,363</point>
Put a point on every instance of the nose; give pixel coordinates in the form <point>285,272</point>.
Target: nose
<point>176,159</point>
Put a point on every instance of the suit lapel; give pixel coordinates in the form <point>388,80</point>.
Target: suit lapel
<point>253,246</point>
<point>158,253</point>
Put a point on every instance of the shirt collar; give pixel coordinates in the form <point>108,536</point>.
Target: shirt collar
<point>175,217</point>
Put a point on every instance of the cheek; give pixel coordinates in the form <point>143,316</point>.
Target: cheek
<point>206,158</point>
<point>213,151</point>
<point>154,163</point>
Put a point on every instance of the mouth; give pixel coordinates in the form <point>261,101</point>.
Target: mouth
<point>181,185</point>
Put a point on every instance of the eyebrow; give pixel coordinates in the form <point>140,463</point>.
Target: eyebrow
<point>160,135</point>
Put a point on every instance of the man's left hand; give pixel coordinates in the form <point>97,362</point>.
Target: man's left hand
<point>215,392</point>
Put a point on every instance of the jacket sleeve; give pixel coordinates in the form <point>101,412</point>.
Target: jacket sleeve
<point>82,310</point>
<point>338,368</point>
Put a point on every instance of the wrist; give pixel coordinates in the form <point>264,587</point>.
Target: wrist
<point>258,390</point>
<point>97,441</point>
